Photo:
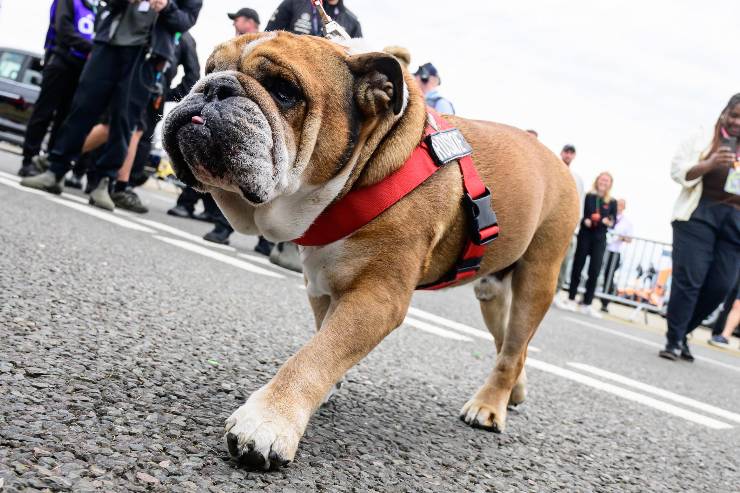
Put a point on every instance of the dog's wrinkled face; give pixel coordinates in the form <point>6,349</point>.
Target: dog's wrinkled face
<point>278,113</point>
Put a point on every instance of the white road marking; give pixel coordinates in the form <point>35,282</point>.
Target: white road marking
<point>266,261</point>
<point>658,391</point>
<point>227,259</point>
<point>106,216</point>
<point>81,200</point>
<point>465,329</point>
<point>628,394</point>
<point>649,343</point>
<point>15,178</point>
<point>17,186</point>
<point>433,329</point>
<point>182,234</point>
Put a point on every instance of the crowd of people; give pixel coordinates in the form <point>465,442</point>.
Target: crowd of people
<point>109,68</point>
<point>706,238</point>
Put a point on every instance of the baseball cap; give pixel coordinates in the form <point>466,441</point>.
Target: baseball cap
<point>246,12</point>
<point>569,148</point>
<point>427,70</point>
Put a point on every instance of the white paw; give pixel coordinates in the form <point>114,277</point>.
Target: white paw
<point>259,437</point>
<point>488,288</point>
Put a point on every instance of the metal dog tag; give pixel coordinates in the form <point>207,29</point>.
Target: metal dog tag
<point>448,145</point>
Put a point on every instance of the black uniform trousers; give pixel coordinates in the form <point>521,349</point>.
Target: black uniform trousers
<point>60,78</point>
<point>189,197</point>
<point>706,260</point>
<point>591,243</point>
<point>115,77</point>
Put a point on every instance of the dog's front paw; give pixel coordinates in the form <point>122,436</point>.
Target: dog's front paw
<point>258,436</point>
<point>480,414</point>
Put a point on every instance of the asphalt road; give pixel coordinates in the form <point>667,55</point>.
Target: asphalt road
<point>126,344</point>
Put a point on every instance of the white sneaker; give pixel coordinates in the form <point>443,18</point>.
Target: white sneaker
<point>565,304</point>
<point>590,311</point>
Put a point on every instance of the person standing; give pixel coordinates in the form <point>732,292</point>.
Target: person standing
<point>599,214</point>
<point>621,234</point>
<point>246,20</point>
<point>567,155</point>
<point>68,44</point>
<point>134,40</point>
<point>706,229</point>
<point>301,17</point>
<point>429,81</point>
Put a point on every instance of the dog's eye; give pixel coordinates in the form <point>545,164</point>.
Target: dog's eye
<point>283,92</point>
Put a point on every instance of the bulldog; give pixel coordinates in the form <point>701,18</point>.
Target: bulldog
<point>283,126</point>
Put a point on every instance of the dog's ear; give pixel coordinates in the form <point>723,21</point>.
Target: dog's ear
<point>378,83</point>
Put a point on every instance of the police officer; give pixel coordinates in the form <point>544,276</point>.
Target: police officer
<point>301,17</point>
<point>68,44</point>
<point>428,79</point>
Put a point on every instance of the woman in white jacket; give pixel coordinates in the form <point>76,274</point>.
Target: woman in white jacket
<point>706,229</point>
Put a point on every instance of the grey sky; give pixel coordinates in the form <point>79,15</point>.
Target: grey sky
<point>623,81</point>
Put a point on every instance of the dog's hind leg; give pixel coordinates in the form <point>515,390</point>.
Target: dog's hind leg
<point>494,294</point>
<point>532,288</point>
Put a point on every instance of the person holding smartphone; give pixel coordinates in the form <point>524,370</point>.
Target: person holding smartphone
<point>599,214</point>
<point>706,229</point>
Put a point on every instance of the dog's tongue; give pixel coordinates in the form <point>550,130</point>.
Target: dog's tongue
<point>198,120</point>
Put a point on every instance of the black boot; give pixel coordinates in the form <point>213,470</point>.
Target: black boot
<point>220,234</point>
<point>685,353</point>
<point>264,246</point>
<point>670,352</point>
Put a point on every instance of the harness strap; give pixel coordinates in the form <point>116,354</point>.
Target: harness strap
<point>483,227</point>
<point>441,144</point>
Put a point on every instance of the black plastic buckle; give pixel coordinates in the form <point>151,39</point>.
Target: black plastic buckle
<point>481,216</point>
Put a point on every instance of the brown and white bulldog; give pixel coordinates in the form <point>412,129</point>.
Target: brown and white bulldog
<point>280,128</point>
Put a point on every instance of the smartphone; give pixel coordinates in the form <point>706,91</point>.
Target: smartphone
<point>730,142</point>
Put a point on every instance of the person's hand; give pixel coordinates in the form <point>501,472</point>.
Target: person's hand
<point>159,5</point>
<point>607,222</point>
<point>723,157</point>
<point>587,222</point>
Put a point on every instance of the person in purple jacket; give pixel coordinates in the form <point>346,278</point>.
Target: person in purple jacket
<point>68,44</point>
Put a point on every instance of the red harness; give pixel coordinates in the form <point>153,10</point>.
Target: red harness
<point>441,144</point>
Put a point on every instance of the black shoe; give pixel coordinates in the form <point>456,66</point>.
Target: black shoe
<point>28,169</point>
<point>604,309</point>
<point>73,181</point>
<point>128,200</point>
<point>180,211</point>
<point>264,246</point>
<point>670,353</point>
<point>204,216</point>
<point>685,353</point>
<point>218,235</point>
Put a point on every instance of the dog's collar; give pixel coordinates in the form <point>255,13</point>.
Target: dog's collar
<point>441,144</point>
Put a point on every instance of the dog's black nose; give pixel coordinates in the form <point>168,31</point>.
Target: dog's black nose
<point>220,88</point>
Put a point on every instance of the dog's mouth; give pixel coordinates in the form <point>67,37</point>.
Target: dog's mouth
<point>222,142</point>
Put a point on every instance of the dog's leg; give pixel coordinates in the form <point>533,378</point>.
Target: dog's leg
<point>532,288</point>
<point>494,294</point>
<point>265,431</point>
<point>320,306</point>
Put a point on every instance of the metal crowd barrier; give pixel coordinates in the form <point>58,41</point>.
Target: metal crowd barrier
<point>641,278</point>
